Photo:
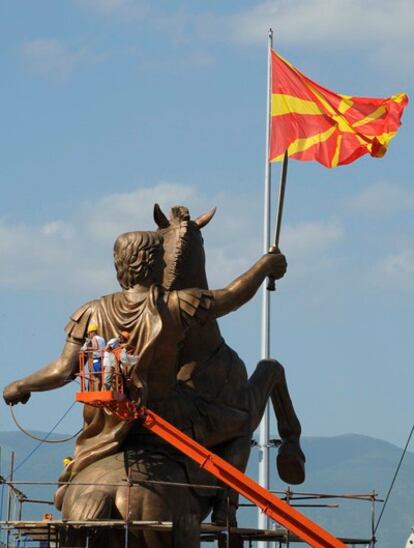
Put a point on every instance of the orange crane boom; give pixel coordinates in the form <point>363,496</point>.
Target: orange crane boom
<point>270,504</point>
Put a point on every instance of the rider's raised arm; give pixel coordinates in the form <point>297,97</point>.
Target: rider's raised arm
<point>52,376</point>
<point>198,306</point>
<point>243,288</point>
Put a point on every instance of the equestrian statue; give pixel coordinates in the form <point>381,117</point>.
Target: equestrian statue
<point>185,372</point>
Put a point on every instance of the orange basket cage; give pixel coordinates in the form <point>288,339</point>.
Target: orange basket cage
<point>92,383</point>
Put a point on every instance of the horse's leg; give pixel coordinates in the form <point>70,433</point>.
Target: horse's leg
<point>226,502</point>
<point>186,531</point>
<point>269,380</point>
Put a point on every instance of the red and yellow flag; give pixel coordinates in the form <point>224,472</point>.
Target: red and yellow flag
<point>314,123</point>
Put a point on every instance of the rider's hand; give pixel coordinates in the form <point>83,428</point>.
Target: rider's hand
<point>13,394</point>
<point>276,263</point>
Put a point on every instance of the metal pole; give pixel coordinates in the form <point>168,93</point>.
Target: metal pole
<point>9,497</point>
<point>228,521</point>
<point>373,539</point>
<point>263,521</point>
<point>288,496</point>
<point>127,517</point>
<point>1,497</point>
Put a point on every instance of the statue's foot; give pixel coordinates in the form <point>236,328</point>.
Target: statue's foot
<point>223,512</point>
<point>290,462</point>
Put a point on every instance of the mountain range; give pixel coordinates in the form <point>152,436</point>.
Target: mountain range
<point>347,464</point>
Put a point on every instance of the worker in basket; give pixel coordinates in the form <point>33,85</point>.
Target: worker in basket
<point>118,361</point>
<point>94,346</point>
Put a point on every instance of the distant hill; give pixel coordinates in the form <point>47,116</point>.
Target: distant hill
<point>352,464</point>
<point>338,465</point>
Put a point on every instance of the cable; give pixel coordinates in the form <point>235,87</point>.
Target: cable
<point>41,441</point>
<point>45,440</point>
<point>394,478</point>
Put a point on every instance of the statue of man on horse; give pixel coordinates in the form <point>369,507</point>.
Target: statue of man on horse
<point>170,314</point>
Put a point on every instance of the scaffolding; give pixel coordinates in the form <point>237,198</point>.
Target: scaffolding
<point>48,532</point>
<point>293,526</point>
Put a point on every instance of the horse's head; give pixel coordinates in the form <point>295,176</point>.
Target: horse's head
<point>183,247</point>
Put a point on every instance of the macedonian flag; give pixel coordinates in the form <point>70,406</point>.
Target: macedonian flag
<point>314,123</point>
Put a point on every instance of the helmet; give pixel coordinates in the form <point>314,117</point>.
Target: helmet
<point>125,334</point>
<point>92,327</point>
<point>112,343</point>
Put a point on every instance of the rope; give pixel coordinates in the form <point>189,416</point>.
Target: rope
<point>44,440</point>
<point>40,440</point>
<point>394,478</point>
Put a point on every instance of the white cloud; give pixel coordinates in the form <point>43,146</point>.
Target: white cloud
<point>402,263</point>
<point>384,199</point>
<point>312,238</point>
<point>382,29</point>
<point>51,58</point>
<point>121,212</point>
<point>333,22</point>
<point>396,271</point>
<point>123,9</point>
<point>76,254</point>
<point>31,258</point>
<point>57,228</point>
<point>200,59</point>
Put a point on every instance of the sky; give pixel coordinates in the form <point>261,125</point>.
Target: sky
<point>111,105</point>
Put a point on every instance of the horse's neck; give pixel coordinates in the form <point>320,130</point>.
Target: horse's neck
<point>201,341</point>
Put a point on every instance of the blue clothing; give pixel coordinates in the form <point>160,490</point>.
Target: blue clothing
<point>97,365</point>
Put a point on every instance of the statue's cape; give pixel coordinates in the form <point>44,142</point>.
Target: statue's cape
<point>103,433</point>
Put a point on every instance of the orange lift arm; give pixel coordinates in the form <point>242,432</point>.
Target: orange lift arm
<point>270,504</point>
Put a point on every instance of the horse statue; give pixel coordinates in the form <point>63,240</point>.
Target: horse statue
<point>132,476</point>
<point>214,370</point>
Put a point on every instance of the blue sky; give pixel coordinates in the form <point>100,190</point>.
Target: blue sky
<point>111,105</point>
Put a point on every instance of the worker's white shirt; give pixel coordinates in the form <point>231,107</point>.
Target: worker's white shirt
<point>109,360</point>
<point>101,345</point>
<point>128,359</point>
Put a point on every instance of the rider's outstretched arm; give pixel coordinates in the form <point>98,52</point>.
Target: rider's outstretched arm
<point>52,376</point>
<point>243,288</point>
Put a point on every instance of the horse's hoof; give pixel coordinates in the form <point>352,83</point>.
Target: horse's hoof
<point>290,462</point>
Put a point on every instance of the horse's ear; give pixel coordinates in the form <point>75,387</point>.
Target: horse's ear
<point>204,219</point>
<point>160,219</point>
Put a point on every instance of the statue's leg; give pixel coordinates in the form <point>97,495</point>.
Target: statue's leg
<point>149,501</point>
<point>174,504</point>
<point>82,503</point>
<point>269,380</point>
<point>91,495</point>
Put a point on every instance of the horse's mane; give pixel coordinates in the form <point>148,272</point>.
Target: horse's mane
<point>176,260</point>
<point>178,252</point>
<point>180,224</point>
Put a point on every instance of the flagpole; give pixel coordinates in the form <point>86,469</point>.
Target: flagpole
<point>263,522</point>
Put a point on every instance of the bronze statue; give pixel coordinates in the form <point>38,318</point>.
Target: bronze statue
<point>214,370</point>
<point>161,312</point>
